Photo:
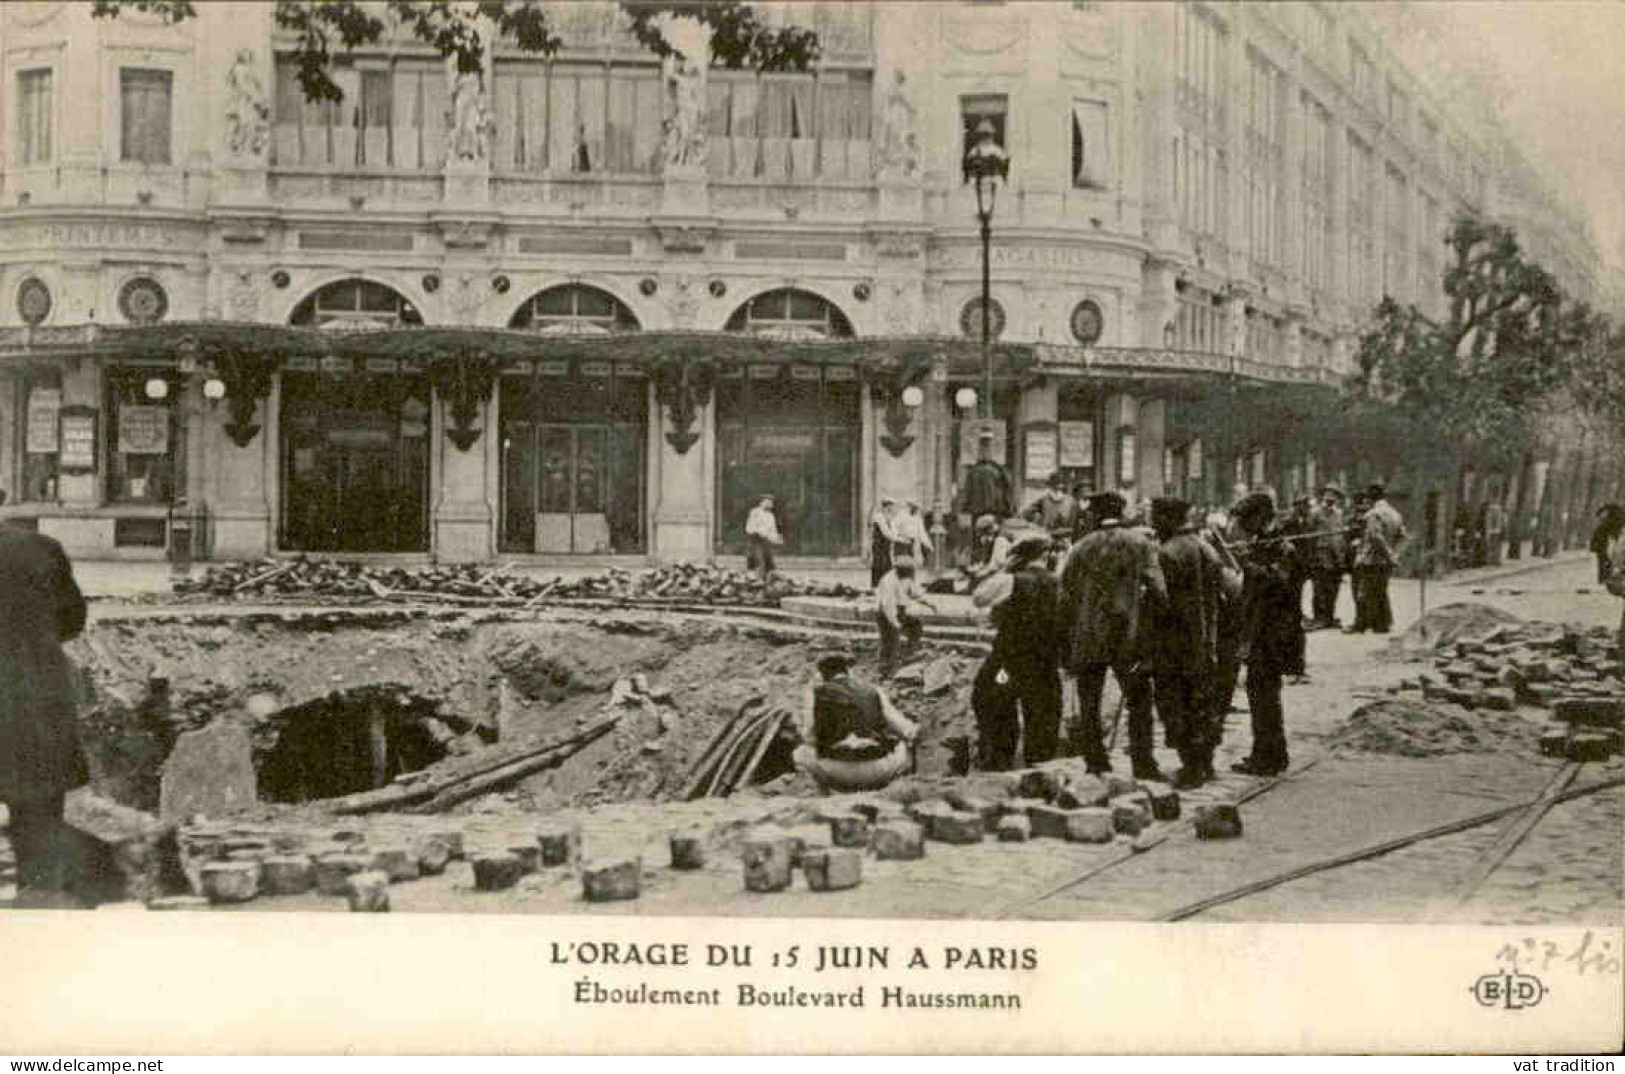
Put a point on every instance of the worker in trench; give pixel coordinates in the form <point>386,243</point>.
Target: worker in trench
<point>896,597</point>
<point>40,756</point>
<point>852,737</point>
<point>1023,667</point>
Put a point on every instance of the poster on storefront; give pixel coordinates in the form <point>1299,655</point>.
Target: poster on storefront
<point>78,439</point>
<point>143,430</point>
<point>1038,458</point>
<point>44,405</point>
<point>1077,443</point>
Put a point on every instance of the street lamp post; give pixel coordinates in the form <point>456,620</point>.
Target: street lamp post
<point>986,164</point>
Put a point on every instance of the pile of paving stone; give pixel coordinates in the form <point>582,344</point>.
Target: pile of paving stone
<point>321,579</point>
<point>228,864</point>
<point>1571,671</point>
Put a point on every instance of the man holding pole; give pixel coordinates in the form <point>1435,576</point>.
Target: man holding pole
<point>1374,564</point>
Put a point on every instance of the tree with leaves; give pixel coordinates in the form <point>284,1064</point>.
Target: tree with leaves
<point>326,29</point>
<point>1469,387</point>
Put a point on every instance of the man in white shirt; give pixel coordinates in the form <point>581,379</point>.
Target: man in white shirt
<point>895,597</point>
<point>762,534</point>
<point>911,533</point>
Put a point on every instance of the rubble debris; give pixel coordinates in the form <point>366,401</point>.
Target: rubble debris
<point>687,850</point>
<point>849,830</point>
<point>612,879</point>
<point>1219,821</point>
<point>1407,728</point>
<point>231,881</point>
<point>832,870</point>
<point>210,771</point>
<point>1014,828</point>
<point>559,845</point>
<point>529,855</point>
<point>287,874</point>
<point>496,872</point>
<point>395,862</point>
<point>333,870</point>
<point>121,853</point>
<point>768,862</point>
<point>954,827</point>
<point>900,840</point>
<point>368,892</point>
<point>308,578</point>
<point>1130,816</point>
<point>433,854</point>
<point>178,902</point>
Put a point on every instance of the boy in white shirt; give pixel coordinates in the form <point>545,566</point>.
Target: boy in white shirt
<point>895,597</point>
<point>762,534</point>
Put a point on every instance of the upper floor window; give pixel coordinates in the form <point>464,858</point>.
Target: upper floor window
<point>791,314</point>
<point>355,303</point>
<point>34,103</point>
<point>1362,74</point>
<point>1199,56</point>
<point>1091,169</point>
<point>145,104</point>
<point>993,107</point>
<point>575,309</point>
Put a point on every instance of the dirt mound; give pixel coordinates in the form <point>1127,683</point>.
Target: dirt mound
<point>1415,729</point>
<point>1449,624</point>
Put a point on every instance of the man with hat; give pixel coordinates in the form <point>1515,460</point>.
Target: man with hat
<point>852,737</point>
<point>762,535</point>
<point>1384,532</point>
<point>1184,639</point>
<point>1055,511</point>
<point>1271,633</point>
<point>1327,556</point>
<point>882,534</point>
<point>1109,585</point>
<point>1021,600</point>
<point>986,489</point>
<point>895,597</point>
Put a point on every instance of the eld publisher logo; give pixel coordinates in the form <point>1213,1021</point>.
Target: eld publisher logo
<point>1512,991</point>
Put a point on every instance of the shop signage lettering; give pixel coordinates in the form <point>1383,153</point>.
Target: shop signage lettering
<point>787,442</point>
<point>764,372</point>
<point>1028,257</point>
<point>1041,452</point>
<point>558,368</point>
<point>383,365</point>
<point>595,369</point>
<point>1077,443</point>
<point>143,430</point>
<point>301,365</point>
<point>804,372</point>
<point>78,441</point>
<point>44,404</point>
<point>91,234</point>
<point>337,365</point>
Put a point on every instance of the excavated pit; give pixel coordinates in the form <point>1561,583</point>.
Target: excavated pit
<point>337,703</point>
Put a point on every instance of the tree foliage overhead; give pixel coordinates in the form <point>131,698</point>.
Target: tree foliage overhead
<point>457,29</point>
<point>1472,381</point>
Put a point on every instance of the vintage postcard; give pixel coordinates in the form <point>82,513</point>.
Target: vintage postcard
<point>819,526</point>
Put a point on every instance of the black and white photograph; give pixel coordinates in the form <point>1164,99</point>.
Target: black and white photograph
<point>969,463</point>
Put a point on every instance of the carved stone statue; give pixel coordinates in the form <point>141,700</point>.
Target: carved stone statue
<point>247,113</point>
<point>898,154</point>
<point>683,144</point>
<point>470,118</point>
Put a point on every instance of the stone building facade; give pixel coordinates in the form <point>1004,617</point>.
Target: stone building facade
<point>1200,195</point>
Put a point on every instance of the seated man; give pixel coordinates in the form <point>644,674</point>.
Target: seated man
<point>852,737</point>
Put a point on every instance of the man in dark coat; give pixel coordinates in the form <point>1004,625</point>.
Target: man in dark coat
<point>40,758</point>
<point>986,489</point>
<point>1184,644</point>
<point>1109,586</point>
<point>1272,633</point>
<point>1055,511</point>
<point>1025,649</point>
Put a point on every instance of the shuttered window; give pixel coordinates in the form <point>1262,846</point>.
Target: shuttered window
<point>34,117</point>
<point>145,100</point>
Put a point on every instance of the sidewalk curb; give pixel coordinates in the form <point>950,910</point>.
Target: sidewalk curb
<point>1573,555</point>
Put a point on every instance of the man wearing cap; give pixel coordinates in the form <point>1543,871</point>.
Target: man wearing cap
<point>882,534</point>
<point>1110,583</point>
<point>1271,633</point>
<point>1022,604</point>
<point>1374,564</point>
<point>852,737</point>
<point>762,534</point>
<point>913,539</point>
<point>895,597</point>
<point>1184,642</point>
<point>1055,511</point>
<point>986,488</point>
<point>1327,557</point>
<point>991,550</point>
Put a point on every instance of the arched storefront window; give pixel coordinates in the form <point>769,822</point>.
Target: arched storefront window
<point>789,430</point>
<point>355,303</point>
<point>573,434</point>
<point>574,309</point>
<point>791,314</point>
<point>355,440</point>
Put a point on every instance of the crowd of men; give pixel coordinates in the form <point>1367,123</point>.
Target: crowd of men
<point>1174,603</point>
